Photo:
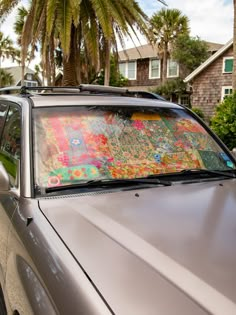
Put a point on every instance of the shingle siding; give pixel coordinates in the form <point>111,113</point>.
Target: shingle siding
<point>142,75</point>
<point>207,85</point>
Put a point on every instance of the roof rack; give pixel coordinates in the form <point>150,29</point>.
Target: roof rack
<point>24,90</point>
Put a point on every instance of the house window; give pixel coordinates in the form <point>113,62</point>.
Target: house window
<point>30,83</point>
<point>122,67</point>
<point>226,91</point>
<point>29,76</point>
<point>154,68</point>
<point>228,64</point>
<point>128,69</point>
<point>172,69</point>
<point>184,100</point>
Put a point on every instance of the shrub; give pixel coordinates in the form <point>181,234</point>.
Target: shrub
<point>224,121</point>
<point>198,111</point>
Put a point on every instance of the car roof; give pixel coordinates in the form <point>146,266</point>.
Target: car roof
<point>82,95</point>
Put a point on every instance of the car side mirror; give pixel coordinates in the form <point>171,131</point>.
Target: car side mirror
<point>4,179</point>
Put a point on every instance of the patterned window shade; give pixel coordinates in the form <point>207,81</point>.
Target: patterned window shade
<point>228,66</point>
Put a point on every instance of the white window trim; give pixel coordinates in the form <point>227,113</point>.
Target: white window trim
<point>126,69</point>
<point>29,74</point>
<point>223,90</point>
<point>29,81</point>
<point>150,69</point>
<point>223,65</point>
<point>172,76</point>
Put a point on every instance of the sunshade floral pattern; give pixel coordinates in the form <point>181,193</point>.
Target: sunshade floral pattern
<point>82,145</point>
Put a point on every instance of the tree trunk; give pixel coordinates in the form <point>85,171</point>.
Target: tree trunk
<point>78,54</point>
<point>69,63</point>
<point>0,72</point>
<point>107,62</point>
<point>48,68</point>
<point>164,66</point>
<point>52,62</point>
<point>234,47</point>
<point>23,74</point>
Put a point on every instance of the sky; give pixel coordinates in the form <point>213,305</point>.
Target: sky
<point>211,20</point>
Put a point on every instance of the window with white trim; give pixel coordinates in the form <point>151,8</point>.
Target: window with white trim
<point>154,68</point>
<point>29,76</point>
<point>30,83</point>
<point>128,69</point>
<point>172,68</point>
<point>122,67</point>
<point>228,64</point>
<point>184,100</point>
<point>226,91</point>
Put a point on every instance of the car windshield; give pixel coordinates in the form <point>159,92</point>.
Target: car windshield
<point>81,144</point>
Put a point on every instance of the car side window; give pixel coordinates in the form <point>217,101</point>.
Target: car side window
<point>10,143</point>
<point>3,111</point>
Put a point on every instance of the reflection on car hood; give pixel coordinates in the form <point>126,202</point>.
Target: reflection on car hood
<point>165,250</point>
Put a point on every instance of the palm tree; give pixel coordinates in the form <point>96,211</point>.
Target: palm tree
<point>7,50</point>
<point>76,25</point>
<point>167,25</point>
<point>22,13</point>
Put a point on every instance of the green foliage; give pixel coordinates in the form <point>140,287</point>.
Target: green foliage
<point>6,79</point>
<point>190,52</point>
<point>224,121</point>
<point>198,111</point>
<point>9,164</point>
<point>166,26</point>
<point>116,78</point>
<point>169,24</point>
<point>174,86</point>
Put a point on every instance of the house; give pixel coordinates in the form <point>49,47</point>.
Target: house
<point>212,80</point>
<point>30,78</point>
<point>142,66</point>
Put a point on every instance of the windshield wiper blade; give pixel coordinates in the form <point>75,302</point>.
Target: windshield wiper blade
<point>210,172</point>
<point>110,182</point>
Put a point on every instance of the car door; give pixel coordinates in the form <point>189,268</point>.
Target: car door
<point>10,138</point>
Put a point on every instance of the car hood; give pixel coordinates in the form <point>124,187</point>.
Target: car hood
<point>163,250</point>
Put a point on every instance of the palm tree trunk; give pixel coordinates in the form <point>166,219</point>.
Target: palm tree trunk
<point>107,62</point>
<point>52,62</point>
<point>0,72</point>
<point>164,67</point>
<point>69,62</point>
<point>23,74</point>
<point>234,53</point>
<point>78,54</point>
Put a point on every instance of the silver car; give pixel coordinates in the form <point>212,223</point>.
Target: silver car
<point>113,205</point>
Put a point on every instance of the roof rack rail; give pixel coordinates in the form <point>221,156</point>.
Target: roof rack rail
<point>92,88</point>
<point>102,88</point>
<point>9,89</point>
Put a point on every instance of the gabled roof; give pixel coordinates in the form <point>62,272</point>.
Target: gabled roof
<point>213,47</point>
<point>16,72</point>
<point>209,61</point>
<point>140,52</point>
<point>151,51</point>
